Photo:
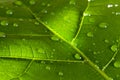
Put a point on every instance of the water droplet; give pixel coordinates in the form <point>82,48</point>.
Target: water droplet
<point>23,39</point>
<point>117,64</point>
<point>117,41</point>
<point>2,34</point>
<point>77,56</point>
<point>32,2</point>
<point>45,11</point>
<point>117,13</point>
<point>97,66</point>
<point>117,75</point>
<point>94,52</point>
<point>96,61</point>
<point>114,48</point>
<point>60,73</point>
<point>18,3</point>
<point>86,14</point>
<point>94,44</point>
<point>47,67</point>
<point>106,41</point>
<point>116,5</point>
<point>48,5</point>
<point>55,38</point>
<point>53,50</point>
<point>9,12</point>
<point>37,23</point>
<point>90,34</point>
<point>4,23</point>
<point>103,25</point>
<point>109,5</point>
<point>40,50</point>
<point>15,24</point>
<point>89,0</point>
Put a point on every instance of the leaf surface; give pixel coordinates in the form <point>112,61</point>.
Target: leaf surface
<point>59,40</point>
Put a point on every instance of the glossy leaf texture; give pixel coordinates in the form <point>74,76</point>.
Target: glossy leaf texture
<point>59,40</point>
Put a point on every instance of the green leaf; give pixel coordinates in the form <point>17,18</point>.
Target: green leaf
<point>59,40</point>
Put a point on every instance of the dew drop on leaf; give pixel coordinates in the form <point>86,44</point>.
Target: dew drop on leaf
<point>90,34</point>
<point>32,2</point>
<point>18,3</point>
<point>47,67</point>
<point>4,23</point>
<point>109,5</point>
<point>116,5</point>
<point>77,56</point>
<point>45,11</point>
<point>106,41</point>
<point>114,47</point>
<point>53,50</point>
<point>36,23</point>
<point>117,64</point>
<point>2,34</point>
<point>60,73</point>
<point>15,24</point>
<point>54,38</point>
<point>103,25</point>
<point>9,12</point>
<point>94,52</point>
<point>48,5</point>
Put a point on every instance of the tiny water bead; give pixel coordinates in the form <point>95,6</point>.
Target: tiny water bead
<point>110,5</point>
<point>54,38</point>
<point>32,2</point>
<point>114,48</point>
<point>90,34</point>
<point>37,23</point>
<point>18,3</point>
<point>106,41</point>
<point>15,24</point>
<point>117,64</point>
<point>45,11</point>
<point>47,67</point>
<point>9,12</point>
<point>60,73</point>
<point>4,23</point>
<point>48,5</point>
<point>77,56</point>
<point>103,25</point>
<point>2,34</point>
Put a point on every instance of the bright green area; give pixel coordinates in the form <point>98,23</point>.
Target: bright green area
<point>59,40</point>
